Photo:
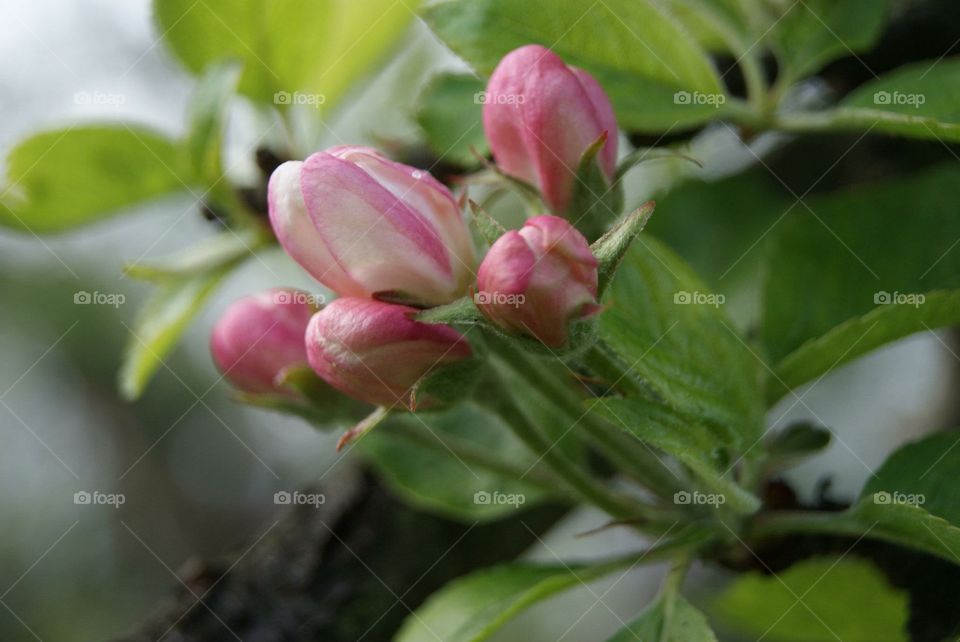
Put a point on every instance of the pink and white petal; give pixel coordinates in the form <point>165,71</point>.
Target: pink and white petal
<point>428,197</point>
<point>297,234</point>
<point>502,112</point>
<point>558,126</point>
<point>379,240</point>
<point>508,266</point>
<point>557,235</point>
<point>603,112</point>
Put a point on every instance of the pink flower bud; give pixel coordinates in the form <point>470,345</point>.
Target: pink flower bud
<point>261,336</point>
<point>362,224</point>
<point>540,116</point>
<point>536,280</point>
<point>374,351</point>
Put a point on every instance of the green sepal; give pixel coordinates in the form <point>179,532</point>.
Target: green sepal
<point>581,335</point>
<point>610,248</point>
<point>595,199</point>
<point>365,425</point>
<point>463,311</point>
<point>527,192</point>
<point>397,297</point>
<point>489,228</point>
<point>312,399</point>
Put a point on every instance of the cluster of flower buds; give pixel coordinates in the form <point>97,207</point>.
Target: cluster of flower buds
<point>389,240</point>
<point>367,228</point>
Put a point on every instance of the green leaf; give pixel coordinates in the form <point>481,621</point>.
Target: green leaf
<point>207,120</point>
<point>925,473</point>
<point>821,599</point>
<point>449,113</point>
<point>473,608</point>
<point>811,33</point>
<point>642,60</point>
<point>217,251</point>
<point>318,48</point>
<point>662,428</point>
<point>672,334</point>
<point>714,22</point>
<point>413,455</point>
<point>716,225</point>
<point>921,100</point>
<point>859,335</point>
<point>906,525</point>
<point>868,266</point>
<point>686,624</point>
<point>681,437</point>
<point>159,325</point>
<point>61,179</point>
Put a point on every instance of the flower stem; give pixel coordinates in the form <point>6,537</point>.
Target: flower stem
<point>479,457</point>
<point>624,451</point>
<point>571,475</point>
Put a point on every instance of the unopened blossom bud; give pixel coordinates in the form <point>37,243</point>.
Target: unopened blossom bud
<point>362,224</point>
<point>536,280</point>
<point>540,116</point>
<point>260,337</point>
<point>375,352</point>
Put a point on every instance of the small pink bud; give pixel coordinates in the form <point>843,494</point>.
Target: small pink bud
<point>536,280</point>
<point>362,224</point>
<point>259,337</point>
<point>375,351</point>
<point>540,116</point>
